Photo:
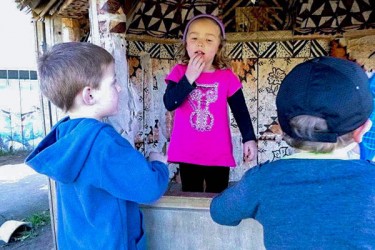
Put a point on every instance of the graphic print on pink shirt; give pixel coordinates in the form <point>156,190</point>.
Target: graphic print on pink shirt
<point>201,133</point>
<point>200,99</point>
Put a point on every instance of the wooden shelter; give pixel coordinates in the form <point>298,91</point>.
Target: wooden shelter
<point>265,40</point>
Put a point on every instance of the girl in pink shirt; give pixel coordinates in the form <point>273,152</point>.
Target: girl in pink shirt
<point>199,90</point>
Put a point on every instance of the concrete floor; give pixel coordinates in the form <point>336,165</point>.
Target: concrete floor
<point>23,192</point>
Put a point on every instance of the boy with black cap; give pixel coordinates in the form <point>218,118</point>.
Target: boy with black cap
<point>319,197</point>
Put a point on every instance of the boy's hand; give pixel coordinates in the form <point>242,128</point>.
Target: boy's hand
<point>250,151</point>
<point>154,156</point>
<point>194,68</point>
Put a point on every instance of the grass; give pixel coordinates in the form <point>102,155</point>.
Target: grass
<point>36,220</point>
<point>13,152</point>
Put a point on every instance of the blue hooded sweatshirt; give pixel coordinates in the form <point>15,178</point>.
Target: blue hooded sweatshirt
<point>305,203</point>
<point>100,179</point>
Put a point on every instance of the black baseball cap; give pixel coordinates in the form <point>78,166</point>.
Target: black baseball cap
<point>333,89</point>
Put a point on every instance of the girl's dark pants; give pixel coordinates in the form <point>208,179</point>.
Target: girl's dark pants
<point>197,178</point>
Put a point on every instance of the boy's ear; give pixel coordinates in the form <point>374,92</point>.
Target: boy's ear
<point>359,132</point>
<point>87,95</point>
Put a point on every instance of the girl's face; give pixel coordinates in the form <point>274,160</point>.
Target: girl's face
<point>107,94</point>
<point>203,38</point>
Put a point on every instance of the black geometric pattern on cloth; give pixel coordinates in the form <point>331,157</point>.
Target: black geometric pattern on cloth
<point>160,51</point>
<point>267,50</point>
<point>273,122</point>
<point>236,51</point>
<point>241,50</point>
<point>331,17</point>
<point>167,19</point>
<point>253,47</point>
<point>248,49</point>
<point>167,51</point>
<point>156,50</point>
<point>139,45</point>
<point>317,48</point>
<point>294,48</point>
<point>134,48</point>
<point>257,49</point>
<point>283,20</point>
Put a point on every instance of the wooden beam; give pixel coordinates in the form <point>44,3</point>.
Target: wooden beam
<point>46,9</point>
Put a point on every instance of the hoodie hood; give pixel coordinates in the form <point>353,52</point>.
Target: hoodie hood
<point>62,153</point>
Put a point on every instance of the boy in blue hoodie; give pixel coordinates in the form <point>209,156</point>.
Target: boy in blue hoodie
<point>319,197</point>
<point>100,178</point>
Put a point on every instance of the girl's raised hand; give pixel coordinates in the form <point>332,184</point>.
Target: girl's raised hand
<point>195,67</point>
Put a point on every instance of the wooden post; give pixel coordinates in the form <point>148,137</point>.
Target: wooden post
<point>108,26</point>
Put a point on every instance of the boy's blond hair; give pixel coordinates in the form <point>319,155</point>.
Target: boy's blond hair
<point>67,68</point>
<point>304,126</point>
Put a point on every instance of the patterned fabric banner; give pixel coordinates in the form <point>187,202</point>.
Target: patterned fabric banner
<point>334,16</point>
<point>243,16</point>
<point>167,19</point>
